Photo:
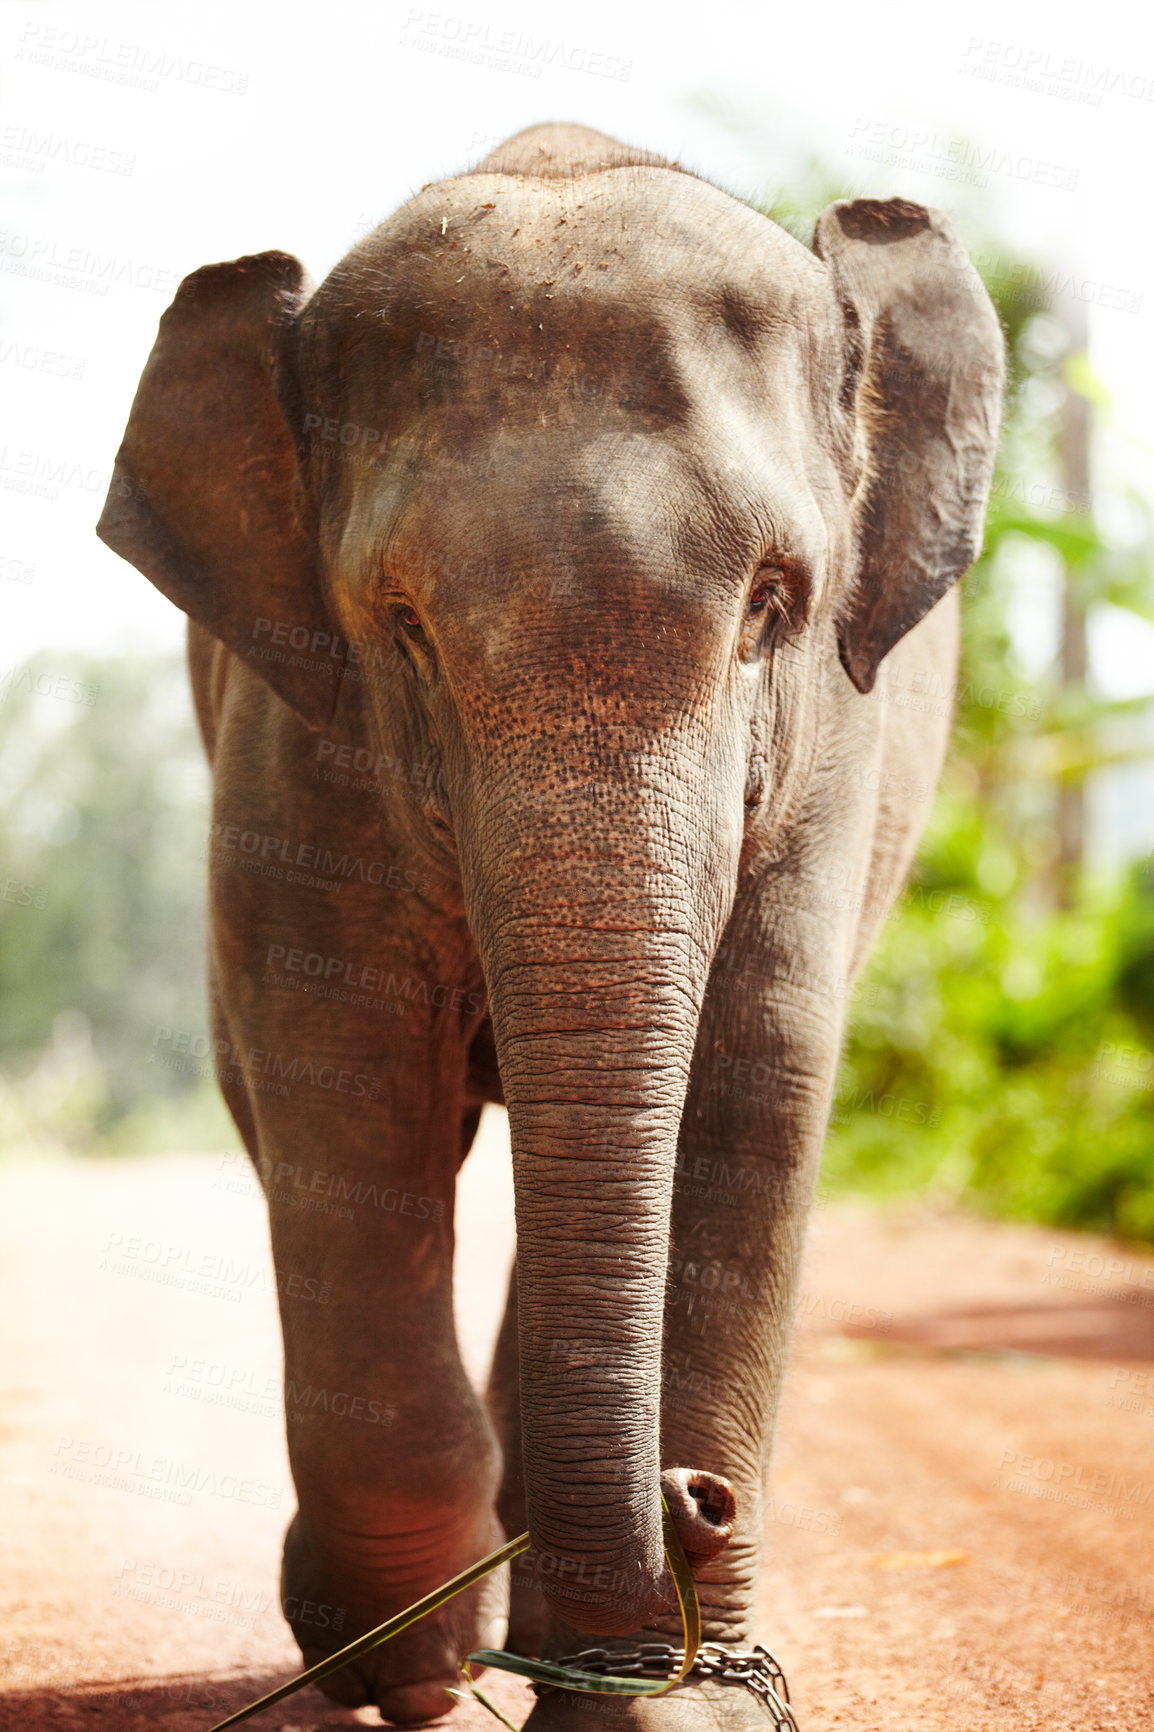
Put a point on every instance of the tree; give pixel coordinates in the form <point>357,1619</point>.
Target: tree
<point>102,923</point>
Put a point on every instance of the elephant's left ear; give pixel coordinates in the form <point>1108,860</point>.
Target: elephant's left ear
<point>921,390</point>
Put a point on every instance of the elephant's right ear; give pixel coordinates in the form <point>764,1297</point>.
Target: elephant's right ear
<point>206,497</point>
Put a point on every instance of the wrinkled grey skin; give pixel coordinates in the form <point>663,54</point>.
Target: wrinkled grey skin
<point>620,496</point>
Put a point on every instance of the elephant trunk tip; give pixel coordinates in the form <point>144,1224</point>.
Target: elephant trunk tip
<point>703,1509</point>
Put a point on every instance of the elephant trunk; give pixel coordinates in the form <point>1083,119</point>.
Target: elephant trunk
<point>596,953</point>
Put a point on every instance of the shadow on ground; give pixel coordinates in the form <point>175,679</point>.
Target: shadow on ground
<point>1115,1326</point>
<point>182,1703</point>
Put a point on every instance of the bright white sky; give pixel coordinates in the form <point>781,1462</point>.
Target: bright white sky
<point>277,126</point>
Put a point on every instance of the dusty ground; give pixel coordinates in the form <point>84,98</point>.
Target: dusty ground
<point>961,1532</point>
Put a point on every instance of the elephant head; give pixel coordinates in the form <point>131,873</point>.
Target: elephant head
<point>577,489</point>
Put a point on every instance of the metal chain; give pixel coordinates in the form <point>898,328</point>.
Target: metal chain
<point>754,1667</point>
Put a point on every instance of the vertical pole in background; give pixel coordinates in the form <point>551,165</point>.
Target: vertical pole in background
<point>1074,453</point>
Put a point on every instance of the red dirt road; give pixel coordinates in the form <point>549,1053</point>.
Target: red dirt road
<point>961,1526</point>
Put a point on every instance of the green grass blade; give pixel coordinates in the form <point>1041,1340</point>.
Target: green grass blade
<point>568,1677</point>
<point>686,1593</point>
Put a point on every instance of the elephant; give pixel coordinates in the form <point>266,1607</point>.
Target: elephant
<point>558,573</point>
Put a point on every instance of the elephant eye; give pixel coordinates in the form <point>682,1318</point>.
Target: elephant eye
<point>769,590</point>
<point>408,626</point>
<point>768,610</point>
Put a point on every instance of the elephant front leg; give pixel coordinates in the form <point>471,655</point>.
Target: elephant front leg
<point>393,1458</point>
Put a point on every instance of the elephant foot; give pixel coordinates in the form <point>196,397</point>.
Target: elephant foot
<point>699,1706</point>
<point>334,1592</point>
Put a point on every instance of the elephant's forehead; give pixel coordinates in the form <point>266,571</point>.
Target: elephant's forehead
<point>492,295</point>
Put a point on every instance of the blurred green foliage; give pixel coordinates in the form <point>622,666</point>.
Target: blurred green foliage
<point>999,1055</point>
<point>103,789</point>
